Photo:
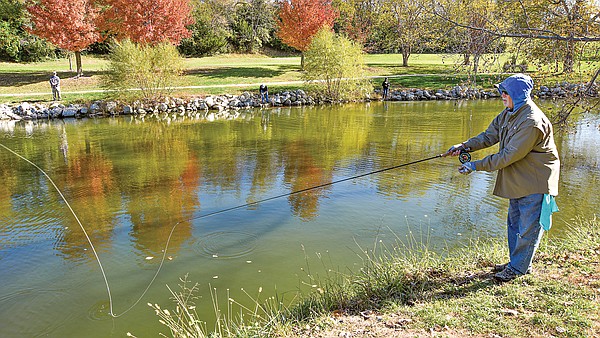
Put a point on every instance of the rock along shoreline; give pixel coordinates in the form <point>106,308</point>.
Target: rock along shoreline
<point>228,106</point>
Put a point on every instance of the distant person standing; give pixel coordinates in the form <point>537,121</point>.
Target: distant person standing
<point>386,88</point>
<point>264,94</point>
<point>55,85</point>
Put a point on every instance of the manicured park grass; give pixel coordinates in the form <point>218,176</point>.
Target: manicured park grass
<point>237,73</point>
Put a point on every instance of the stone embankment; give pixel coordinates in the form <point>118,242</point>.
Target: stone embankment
<point>228,106</point>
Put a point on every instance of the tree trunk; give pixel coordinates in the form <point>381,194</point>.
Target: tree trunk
<point>78,63</point>
<point>476,63</point>
<point>466,59</point>
<point>302,61</point>
<point>405,55</point>
<point>568,60</point>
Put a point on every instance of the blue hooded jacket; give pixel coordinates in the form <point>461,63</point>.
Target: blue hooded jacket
<point>519,87</point>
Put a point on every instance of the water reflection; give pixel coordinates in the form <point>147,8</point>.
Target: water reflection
<point>301,173</point>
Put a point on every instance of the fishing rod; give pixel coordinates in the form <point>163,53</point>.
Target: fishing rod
<point>463,157</point>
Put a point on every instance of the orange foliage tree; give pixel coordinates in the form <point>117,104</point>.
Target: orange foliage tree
<point>300,20</point>
<point>68,24</point>
<point>148,21</point>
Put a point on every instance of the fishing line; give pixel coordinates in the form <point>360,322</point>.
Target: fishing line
<point>74,215</point>
<point>315,187</point>
<point>110,299</point>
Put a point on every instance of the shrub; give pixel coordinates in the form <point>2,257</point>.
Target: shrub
<point>145,71</point>
<point>334,67</point>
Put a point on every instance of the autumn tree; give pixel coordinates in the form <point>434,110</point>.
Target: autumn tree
<point>300,20</point>
<point>148,21</point>
<point>358,20</point>
<point>558,28</point>
<point>406,26</point>
<point>472,44</point>
<point>68,24</point>
<point>567,24</point>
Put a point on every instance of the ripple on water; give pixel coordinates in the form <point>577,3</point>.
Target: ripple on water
<point>22,230</point>
<point>100,311</point>
<point>226,244</point>
<point>26,304</point>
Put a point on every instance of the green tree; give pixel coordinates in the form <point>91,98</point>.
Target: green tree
<point>334,65</point>
<point>16,44</point>
<point>151,69</point>
<point>210,32</point>
<point>252,24</point>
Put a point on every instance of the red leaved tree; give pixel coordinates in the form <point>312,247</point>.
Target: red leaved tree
<point>148,21</point>
<point>300,20</point>
<point>68,24</point>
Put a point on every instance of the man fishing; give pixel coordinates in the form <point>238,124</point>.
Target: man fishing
<point>528,169</point>
<point>55,86</point>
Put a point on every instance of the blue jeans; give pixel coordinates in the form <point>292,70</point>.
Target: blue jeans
<point>524,231</point>
<point>264,98</point>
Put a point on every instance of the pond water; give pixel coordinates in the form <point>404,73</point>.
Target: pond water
<point>134,185</point>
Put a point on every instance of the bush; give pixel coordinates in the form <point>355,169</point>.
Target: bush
<point>334,67</point>
<point>152,70</point>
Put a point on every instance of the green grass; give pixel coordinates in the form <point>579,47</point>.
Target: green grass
<point>225,73</point>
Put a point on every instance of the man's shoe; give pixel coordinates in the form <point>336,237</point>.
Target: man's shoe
<point>499,267</point>
<point>506,275</point>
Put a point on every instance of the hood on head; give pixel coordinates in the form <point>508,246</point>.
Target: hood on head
<point>519,87</point>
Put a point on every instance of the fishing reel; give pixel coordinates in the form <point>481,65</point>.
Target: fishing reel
<point>464,156</point>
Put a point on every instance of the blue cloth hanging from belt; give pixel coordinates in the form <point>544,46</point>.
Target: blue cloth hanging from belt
<point>548,207</point>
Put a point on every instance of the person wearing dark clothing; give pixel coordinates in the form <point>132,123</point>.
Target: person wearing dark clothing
<point>386,88</point>
<point>264,94</point>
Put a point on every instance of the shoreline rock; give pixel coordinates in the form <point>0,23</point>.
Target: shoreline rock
<point>228,106</point>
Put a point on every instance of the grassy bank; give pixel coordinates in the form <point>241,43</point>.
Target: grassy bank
<point>237,73</point>
<point>419,293</point>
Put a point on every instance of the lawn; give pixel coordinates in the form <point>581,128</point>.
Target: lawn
<point>235,73</point>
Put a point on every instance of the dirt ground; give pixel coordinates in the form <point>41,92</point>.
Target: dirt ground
<point>373,325</point>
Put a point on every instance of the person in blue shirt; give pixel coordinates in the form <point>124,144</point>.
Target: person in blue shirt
<point>264,94</point>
